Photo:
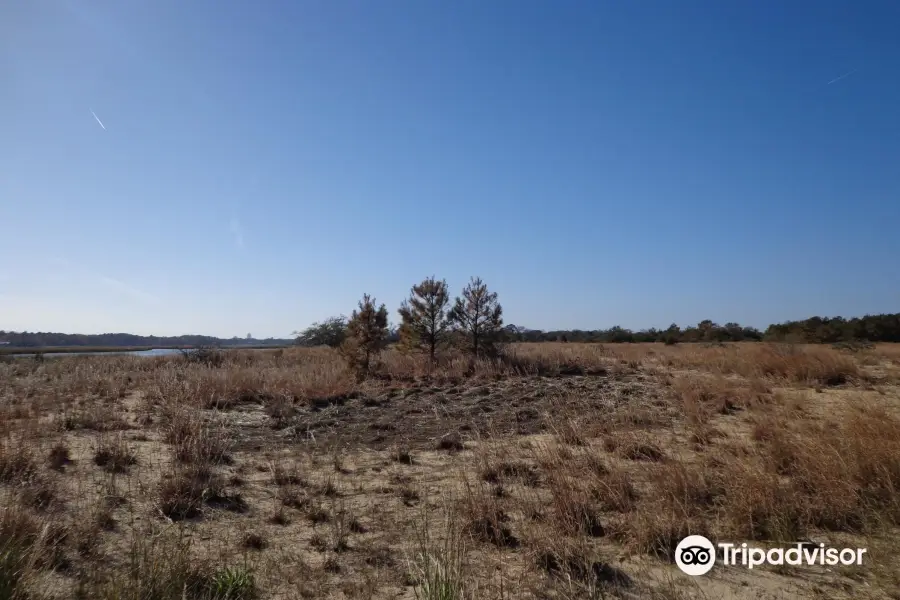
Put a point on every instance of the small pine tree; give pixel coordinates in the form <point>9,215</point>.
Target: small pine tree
<point>366,335</point>
<point>478,316</point>
<point>424,319</point>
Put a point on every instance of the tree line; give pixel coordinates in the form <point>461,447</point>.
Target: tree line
<point>427,319</point>
<point>26,339</point>
<point>815,330</point>
<point>705,331</point>
<point>825,330</point>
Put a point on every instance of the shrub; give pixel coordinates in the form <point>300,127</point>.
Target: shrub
<point>331,332</point>
<point>204,355</point>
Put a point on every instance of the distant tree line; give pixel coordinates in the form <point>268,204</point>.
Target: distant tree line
<point>26,339</point>
<point>815,330</point>
<point>825,330</point>
<point>705,331</point>
<point>332,331</point>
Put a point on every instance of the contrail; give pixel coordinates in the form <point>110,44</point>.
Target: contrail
<point>98,120</point>
<point>847,74</point>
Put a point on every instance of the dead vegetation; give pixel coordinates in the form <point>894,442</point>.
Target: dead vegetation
<point>544,471</point>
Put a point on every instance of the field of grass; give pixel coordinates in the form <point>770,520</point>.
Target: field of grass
<point>563,471</point>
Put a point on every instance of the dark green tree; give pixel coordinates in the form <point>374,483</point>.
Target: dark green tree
<point>424,319</point>
<point>478,316</point>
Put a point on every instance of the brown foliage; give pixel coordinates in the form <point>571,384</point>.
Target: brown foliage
<point>366,335</point>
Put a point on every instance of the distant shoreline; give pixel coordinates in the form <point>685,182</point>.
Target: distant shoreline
<point>102,349</point>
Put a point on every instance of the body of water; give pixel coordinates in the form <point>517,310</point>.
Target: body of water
<point>151,352</point>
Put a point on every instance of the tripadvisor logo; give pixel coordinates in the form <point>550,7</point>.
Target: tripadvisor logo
<point>696,555</point>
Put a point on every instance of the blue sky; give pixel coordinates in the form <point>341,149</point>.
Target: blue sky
<point>261,165</point>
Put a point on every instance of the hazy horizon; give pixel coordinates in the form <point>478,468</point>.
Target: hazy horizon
<point>173,167</point>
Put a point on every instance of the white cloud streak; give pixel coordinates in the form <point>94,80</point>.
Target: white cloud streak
<point>847,74</point>
<point>99,122</point>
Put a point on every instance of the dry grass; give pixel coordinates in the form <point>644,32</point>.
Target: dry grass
<point>114,455</point>
<point>558,471</point>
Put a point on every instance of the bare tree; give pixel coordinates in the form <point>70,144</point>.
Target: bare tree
<point>478,315</point>
<point>424,318</point>
<point>366,334</point>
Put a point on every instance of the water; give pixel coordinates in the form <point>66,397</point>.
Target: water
<point>151,352</point>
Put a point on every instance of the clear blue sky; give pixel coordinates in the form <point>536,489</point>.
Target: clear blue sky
<point>265,163</point>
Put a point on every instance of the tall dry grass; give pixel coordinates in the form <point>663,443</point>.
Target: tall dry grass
<point>729,443</point>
